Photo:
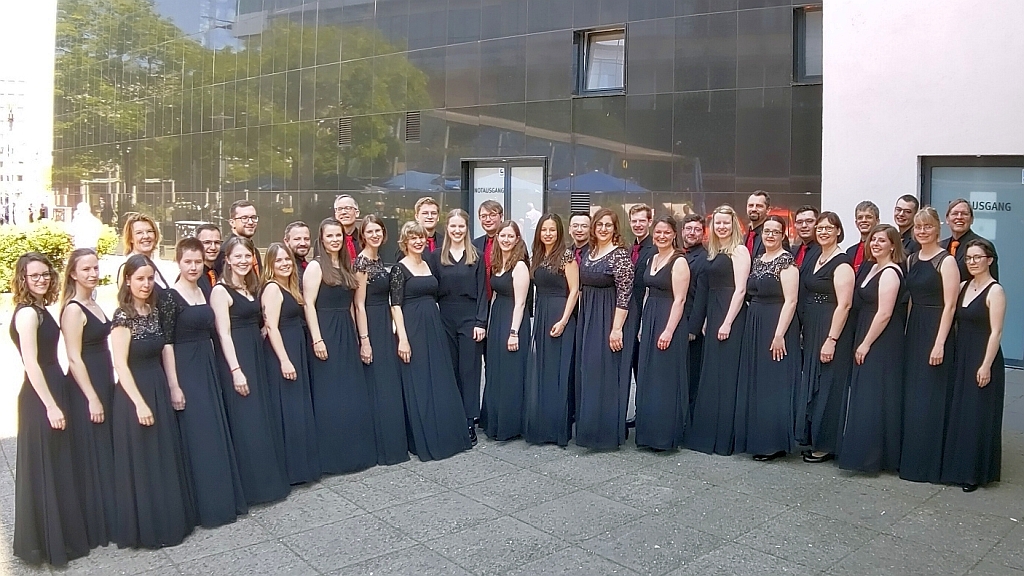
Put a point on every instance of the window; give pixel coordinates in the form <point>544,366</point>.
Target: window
<point>807,61</point>
<point>601,61</point>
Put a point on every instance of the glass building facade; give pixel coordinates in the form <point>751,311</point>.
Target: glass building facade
<point>179,107</point>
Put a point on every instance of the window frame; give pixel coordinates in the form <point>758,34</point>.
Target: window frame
<point>581,45</point>
<point>800,76</point>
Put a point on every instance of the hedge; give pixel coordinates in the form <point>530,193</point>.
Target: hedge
<point>46,236</point>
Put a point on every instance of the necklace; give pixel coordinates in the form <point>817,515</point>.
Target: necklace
<point>825,257</point>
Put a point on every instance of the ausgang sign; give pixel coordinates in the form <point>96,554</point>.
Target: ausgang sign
<point>989,202</point>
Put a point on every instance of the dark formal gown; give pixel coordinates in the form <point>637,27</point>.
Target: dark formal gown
<point>640,254</point>
<point>152,475</point>
<point>694,313</point>
<point>662,385</point>
<point>927,390</point>
<point>873,424</point>
<point>818,401</point>
<point>711,423</point>
<point>341,398</point>
<point>973,450</point>
<point>960,250</point>
<point>93,444</point>
<point>602,377</point>
<point>293,401</point>
<point>49,520</point>
<point>255,427</point>
<point>508,373</point>
<point>383,375</point>
<point>433,406</point>
<point>549,393</point>
<point>205,433</point>
<point>765,387</point>
<point>462,298</point>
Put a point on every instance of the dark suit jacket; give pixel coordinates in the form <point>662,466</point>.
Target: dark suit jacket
<point>695,309</point>
<point>812,254</point>
<point>204,282</point>
<point>909,244</point>
<point>643,262</point>
<point>961,251</point>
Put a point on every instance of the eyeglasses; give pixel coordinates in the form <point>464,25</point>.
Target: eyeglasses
<point>489,215</point>
<point>924,227</point>
<point>972,259</point>
<point>825,229</point>
<point>693,230</point>
<point>959,214</point>
<point>212,242</point>
<point>38,277</point>
<point>604,225</point>
<point>579,226</point>
<point>253,219</point>
<point>344,209</point>
<point>771,232</point>
<point>903,210</point>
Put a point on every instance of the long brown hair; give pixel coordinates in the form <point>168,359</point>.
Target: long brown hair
<point>893,235</point>
<point>674,225</point>
<point>292,284</point>
<point>128,238</point>
<point>68,288</point>
<point>541,257</point>
<point>341,275</point>
<point>498,263</point>
<point>616,236</point>
<point>251,282</point>
<point>19,282</point>
<point>471,255</point>
<point>124,294</point>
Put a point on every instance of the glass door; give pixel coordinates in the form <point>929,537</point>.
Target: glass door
<point>517,184</point>
<point>995,188</point>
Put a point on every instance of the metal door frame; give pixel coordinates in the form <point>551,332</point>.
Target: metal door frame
<point>507,162</point>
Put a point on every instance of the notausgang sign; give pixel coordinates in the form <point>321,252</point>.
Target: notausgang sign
<point>989,202</point>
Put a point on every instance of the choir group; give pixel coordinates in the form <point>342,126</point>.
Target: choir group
<point>252,373</point>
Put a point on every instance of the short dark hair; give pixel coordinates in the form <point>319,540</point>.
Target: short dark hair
<point>764,194</point>
<point>833,219</point>
<point>579,213</point>
<point>206,227</point>
<point>985,245</point>
<point>867,206</point>
<point>910,198</point>
<point>187,245</point>
<point>491,206</point>
<point>957,202</point>
<point>807,208</point>
<point>293,226</point>
<point>239,204</point>
<point>692,218</point>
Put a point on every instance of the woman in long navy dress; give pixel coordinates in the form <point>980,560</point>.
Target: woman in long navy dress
<point>85,328</point>
<point>288,364</point>
<point>873,423</point>
<point>933,281</point>
<point>973,451</point>
<point>49,524</point>
<point>378,350</point>
<point>769,359</point>
<point>827,294</point>
<point>662,380</point>
<point>204,425</point>
<point>462,299</point>
<point>725,285</point>
<point>603,365</point>
<point>255,427</point>
<point>549,394</point>
<point>509,364</point>
<point>155,501</point>
<point>433,406</point>
<point>341,398</point>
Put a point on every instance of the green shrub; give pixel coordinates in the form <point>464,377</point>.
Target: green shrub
<point>48,237</point>
<point>108,240</point>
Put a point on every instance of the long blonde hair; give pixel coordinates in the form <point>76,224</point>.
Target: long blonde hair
<point>128,236</point>
<point>471,255</point>
<point>715,245</point>
<point>292,284</point>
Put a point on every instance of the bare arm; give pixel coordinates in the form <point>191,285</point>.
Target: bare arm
<point>789,277</point>
<point>171,371</point>
<point>72,323</point>
<point>572,278</point>
<point>362,324</point>
<point>310,291</point>
<point>220,301</point>
<point>680,285</point>
<point>520,287</point>
<point>740,271</point>
<point>120,340</point>
<point>843,281</point>
<point>271,301</point>
<point>950,274</point>
<point>888,290</point>
<point>996,302</point>
<point>26,322</point>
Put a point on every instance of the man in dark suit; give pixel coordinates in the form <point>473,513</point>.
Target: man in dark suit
<point>866,218</point>
<point>959,218</point>
<point>579,231</point>
<point>758,206</point>
<point>640,218</point>
<point>695,311</point>
<point>903,216</point>
<point>346,211</point>
<point>806,250</point>
<point>209,235</point>
<point>491,214</point>
<point>296,237</point>
<point>243,220</point>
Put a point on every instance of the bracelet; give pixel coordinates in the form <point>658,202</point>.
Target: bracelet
<point>236,368</point>
<point>833,338</point>
<point>364,337</point>
<point>513,333</point>
<point>318,342</point>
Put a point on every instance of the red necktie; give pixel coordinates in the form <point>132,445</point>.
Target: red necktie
<point>430,243</point>
<point>858,258</point>
<point>635,254</point>
<point>750,241</point>
<point>487,265</point>
<point>800,255</point>
<point>578,253</point>
<point>351,245</point>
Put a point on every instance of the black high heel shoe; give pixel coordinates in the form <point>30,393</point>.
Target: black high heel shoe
<point>969,487</point>
<point>769,457</point>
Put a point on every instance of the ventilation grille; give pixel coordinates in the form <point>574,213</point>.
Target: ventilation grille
<point>344,132</point>
<point>579,202</point>
<point>412,126</point>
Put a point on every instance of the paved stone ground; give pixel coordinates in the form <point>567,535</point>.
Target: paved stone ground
<point>510,508</point>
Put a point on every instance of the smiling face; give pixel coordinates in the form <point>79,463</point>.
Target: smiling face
<point>191,265</point>
<point>283,265</point>
<point>37,278</point>
<point>346,211</point>
<point>373,234</point>
<point>579,229</point>
<point>772,233</point>
<point>640,224</point>
<point>903,214</point>
<point>489,220</point>
<point>240,261</point>
<point>211,245</point>
<point>415,244</point>
<point>926,233</point>
<point>881,247</point>
<point>332,237</point>
<point>457,229</point>
<point>757,208</point>
<point>244,222</point>
<point>866,220</point>
<point>507,239</point>
<point>826,233</point>
<point>298,240</point>
<point>427,217</point>
<point>141,283</point>
<point>664,236</point>
<point>721,225</point>
<point>804,224</point>
<point>143,237</point>
<point>693,234</point>
<point>959,219</point>
<point>87,272</point>
<point>604,229</point>
<point>548,232</point>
